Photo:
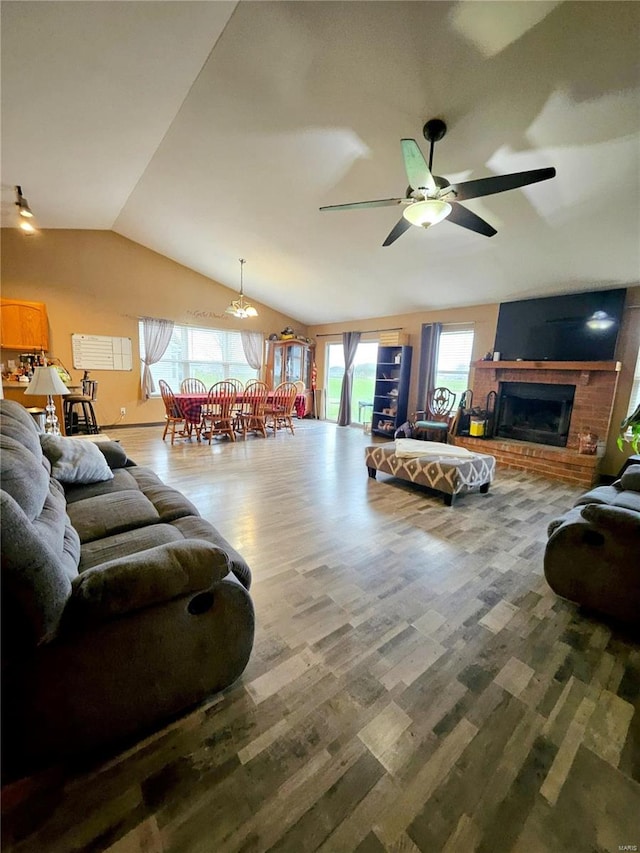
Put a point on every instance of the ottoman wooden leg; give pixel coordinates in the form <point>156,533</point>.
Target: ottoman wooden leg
<point>448,500</point>
<point>372,472</point>
<point>484,488</point>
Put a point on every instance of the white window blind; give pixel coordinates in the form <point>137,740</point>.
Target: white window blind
<point>207,354</point>
<point>454,359</point>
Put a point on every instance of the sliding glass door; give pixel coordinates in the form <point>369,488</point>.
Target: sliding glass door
<point>364,373</point>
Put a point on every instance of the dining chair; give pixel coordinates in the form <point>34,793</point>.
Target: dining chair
<point>218,412</point>
<point>190,385</point>
<point>281,407</point>
<point>252,417</point>
<point>173,415</point>
<point>238,408</point>
<point>437,417</point>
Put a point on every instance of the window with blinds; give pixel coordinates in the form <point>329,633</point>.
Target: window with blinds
<point>207,354</point>
<point>454,359</point>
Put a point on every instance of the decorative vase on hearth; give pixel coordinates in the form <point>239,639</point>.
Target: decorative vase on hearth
<point>587,441</point>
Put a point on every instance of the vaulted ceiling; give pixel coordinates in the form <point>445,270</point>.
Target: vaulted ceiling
<point>209,131</point>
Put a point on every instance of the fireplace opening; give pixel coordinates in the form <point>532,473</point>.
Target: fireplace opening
<point>535,411</point>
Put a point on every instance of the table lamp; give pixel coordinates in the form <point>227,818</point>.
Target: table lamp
<point>46,382</point>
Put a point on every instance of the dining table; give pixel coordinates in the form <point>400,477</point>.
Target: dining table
<point>191,404</point>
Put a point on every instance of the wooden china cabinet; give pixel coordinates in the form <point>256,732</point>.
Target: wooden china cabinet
<point>291,361</point>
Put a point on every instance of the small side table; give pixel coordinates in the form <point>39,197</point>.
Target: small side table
<point>362,404</point>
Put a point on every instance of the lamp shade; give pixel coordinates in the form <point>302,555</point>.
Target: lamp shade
<point>426,213</point>
<point>46,381</point>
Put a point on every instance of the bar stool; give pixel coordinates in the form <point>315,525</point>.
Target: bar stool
<point>84,419</point>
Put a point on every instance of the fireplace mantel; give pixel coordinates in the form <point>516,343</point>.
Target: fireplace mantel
<point>609,366</point>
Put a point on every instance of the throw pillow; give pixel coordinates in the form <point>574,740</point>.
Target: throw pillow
<point>75,460</point>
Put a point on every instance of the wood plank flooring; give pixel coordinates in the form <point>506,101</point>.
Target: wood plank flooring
<point>414,685</point>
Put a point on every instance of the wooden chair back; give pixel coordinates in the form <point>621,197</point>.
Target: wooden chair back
<point>192,386</point>
<point>284,397</point>
<point>255,398</point>
<point>440,404</point>
<point>221,400</point>
<point>238,385</point>
<point>171,407</point>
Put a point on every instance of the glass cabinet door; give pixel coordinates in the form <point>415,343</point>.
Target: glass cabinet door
<point>277,366</point>
<point>294,363</point>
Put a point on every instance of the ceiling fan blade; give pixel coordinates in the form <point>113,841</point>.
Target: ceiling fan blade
<point>397,231</point>
<point>500,183</point>
<point>381,202</point>
<point>415,165</point>
<point>467,219</point>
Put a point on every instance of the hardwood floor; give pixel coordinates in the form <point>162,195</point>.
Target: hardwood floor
<point>414,685</point>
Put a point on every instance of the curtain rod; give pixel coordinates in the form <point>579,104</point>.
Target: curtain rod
<point>362,332</point>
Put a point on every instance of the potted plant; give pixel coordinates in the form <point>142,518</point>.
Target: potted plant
<point>630,431</point>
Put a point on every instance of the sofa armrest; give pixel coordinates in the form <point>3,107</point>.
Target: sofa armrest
<point>615,517</point>
<point>114,453</point>
<point>142,580</point>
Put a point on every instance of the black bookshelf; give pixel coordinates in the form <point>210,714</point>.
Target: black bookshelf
<point>391,393</point>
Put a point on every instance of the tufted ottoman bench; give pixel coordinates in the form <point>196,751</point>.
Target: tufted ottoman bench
<point>445,468</point>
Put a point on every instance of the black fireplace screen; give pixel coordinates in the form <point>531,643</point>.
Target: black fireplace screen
<point>534,411</point>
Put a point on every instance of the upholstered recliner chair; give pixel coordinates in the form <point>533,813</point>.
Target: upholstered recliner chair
<point>593,551</point>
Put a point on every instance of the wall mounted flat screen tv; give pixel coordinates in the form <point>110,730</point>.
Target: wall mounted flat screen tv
<point>556,328</point>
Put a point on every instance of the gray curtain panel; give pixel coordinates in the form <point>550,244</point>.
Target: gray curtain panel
<point>350,341</point>
<point>428,361</point>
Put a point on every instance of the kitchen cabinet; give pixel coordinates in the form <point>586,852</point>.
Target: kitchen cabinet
<point>291,361</point>
<point>23,325</point>
<point>391,393</point>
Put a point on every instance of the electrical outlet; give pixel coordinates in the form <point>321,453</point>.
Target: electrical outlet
<point>123,412</point>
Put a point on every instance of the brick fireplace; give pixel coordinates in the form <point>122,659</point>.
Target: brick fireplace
<point>595,387</point>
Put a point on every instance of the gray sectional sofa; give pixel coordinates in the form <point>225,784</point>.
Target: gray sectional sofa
<point>592,555</point>
<point>121,606</point>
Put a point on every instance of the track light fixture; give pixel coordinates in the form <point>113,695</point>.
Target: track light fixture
<point>25,212</point>
<point>240,308</point>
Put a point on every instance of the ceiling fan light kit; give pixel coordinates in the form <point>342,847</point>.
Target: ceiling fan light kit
<point>431,198</point>
<point>426,213</point>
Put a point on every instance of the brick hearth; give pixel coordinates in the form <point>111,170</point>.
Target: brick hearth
<point>595,382</point>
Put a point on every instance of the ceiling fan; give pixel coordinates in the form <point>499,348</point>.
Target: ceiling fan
<point>430,198</point>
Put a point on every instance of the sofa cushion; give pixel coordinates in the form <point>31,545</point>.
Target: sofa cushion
<point>74,460</point>
<point>35,581</point>
<point>126,543</point>
<point>105,515</point>
<point>24,477</point>
<point>169,503</point>
<point>122,481</point>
